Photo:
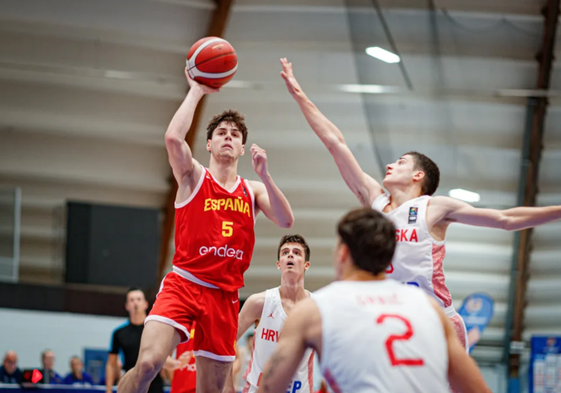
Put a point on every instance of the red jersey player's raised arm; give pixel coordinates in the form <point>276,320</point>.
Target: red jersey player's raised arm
<point>268,197</point>
<point>362,185</point>
<point>186,169</point>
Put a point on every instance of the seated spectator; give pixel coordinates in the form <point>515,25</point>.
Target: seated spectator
<point>50,377</point>
<point>9,372</point>
<point>78,376</point>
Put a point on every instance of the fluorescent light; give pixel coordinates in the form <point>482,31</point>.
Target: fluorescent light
<point>464,195</point>
<point>370,89</point>
<point>382,54</point>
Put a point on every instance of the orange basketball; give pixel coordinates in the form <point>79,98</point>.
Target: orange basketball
<point>212,61</point>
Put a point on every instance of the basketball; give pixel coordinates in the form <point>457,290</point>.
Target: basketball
<point>212,61</point>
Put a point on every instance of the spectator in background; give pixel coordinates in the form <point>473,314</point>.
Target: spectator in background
<point>120,373</point>
<point>50,377</point>
<point>9,372</point>
<point>78,376</point>
<point>126,340</point>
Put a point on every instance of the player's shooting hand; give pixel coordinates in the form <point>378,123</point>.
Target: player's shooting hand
<point>199,86</point>
<point>259,160</point>
<point>288,76</point>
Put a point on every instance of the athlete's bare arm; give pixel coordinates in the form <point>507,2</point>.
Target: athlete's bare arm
<point>250,313</point>
<point>268,197</point>
<point>172,364</point>
<point>186,169</point>
<point>463,373</point>
<point>301,330</point>
<point>112,372</point>
<point>446,210</point>
<point>362,185</point>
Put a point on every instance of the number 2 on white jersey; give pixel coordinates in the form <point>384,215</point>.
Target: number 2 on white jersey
<point>399,337</point>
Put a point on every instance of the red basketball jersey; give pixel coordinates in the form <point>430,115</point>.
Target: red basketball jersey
<point>214,232</point>
<point>185,379</point>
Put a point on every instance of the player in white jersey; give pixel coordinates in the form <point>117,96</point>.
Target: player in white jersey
<point>372,335</point>
<point>421,220</point>
<point>268,311</point>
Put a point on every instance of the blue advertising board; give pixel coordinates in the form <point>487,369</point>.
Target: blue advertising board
<point>477,312</point>
<point>545,365</point>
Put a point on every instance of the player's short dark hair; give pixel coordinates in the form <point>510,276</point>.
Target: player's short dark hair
<point>230,116</point>
<point>370,238</point>
<point>133,289</point>
<point>294,239</point>
<point>432,173</point>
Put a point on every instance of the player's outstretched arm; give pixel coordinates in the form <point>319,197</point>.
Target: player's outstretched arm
<point>514,219</point>
<point>179,154</point>
<point>301,330</point>
<point>362,185</point>
<point>463,373</point>
<point>268,197</point>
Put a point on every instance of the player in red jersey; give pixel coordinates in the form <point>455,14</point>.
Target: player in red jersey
<point>214,239</point>
<point>185,377</point>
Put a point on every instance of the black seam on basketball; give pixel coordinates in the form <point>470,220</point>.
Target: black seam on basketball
<point>217,57</point>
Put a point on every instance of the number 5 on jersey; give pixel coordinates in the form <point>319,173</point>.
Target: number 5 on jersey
<point>227,228</point>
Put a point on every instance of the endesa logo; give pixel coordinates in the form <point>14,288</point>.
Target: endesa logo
<point>223,251</point>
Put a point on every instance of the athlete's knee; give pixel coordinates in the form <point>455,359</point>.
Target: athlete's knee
<point>148,366</point>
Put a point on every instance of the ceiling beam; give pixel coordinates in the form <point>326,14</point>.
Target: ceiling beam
<point>216,28</point>
<point>528,189</point>
<point>518,9</point>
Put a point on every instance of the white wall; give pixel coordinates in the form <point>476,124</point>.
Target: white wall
<point>30,332</point>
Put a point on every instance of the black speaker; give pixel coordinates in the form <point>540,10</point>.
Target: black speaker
<point>112,245</point>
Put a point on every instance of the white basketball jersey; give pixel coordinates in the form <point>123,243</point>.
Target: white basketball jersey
<point>381,337</point>
<point>265,340</point>
<point>418,257</point>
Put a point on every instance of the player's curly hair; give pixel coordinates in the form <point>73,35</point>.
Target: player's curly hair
<point>230,116</point>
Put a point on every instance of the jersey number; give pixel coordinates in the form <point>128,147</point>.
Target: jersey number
<point>227,229</point>
<point>399,337</point>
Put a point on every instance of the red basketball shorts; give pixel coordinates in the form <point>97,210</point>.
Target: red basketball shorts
<point>181,302</point>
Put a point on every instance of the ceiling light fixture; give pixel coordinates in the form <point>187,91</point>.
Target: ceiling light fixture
<point>370,89</point>
<point>382,54</point>
<point>464,195</point>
